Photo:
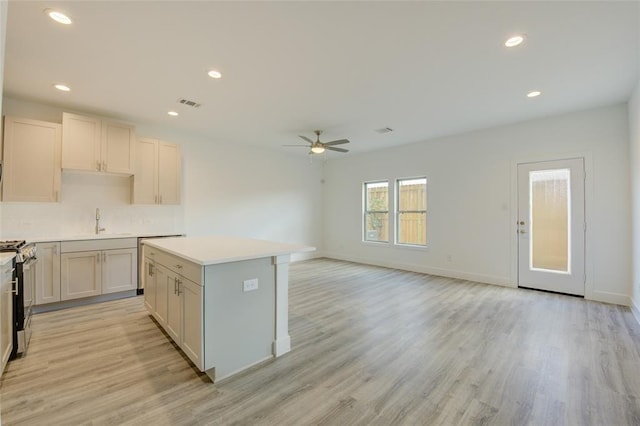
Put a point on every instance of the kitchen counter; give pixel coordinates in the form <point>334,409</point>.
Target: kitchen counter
<point>84,237</point>
<point>214,250</point>
<point>6,257</point>
<point>223,300</point>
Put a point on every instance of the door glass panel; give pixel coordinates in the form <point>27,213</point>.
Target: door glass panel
<point>550,218</point>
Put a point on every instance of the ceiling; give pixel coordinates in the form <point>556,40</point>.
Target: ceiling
<point>424,69</point>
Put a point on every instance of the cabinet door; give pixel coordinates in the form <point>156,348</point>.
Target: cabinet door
<point>119,270</point>
<point>80,274</point>
<point>31,160</point>
<point>6,314</point>
<point>118,147</point>
<point>192,321</point>
<point>145,180</point>
<point>168,173</point>
<point>149,285</point>
<point>174,309</point>
<point>48,273</point>
<point>81,142</point>
<point>162,289</point>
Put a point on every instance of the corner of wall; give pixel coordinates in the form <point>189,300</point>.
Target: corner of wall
<point>634,155</point>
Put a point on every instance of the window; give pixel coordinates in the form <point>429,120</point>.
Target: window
<point>411,213</point>
<point>376,211</point>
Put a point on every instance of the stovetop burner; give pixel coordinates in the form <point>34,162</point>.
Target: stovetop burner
<point>11,245</point>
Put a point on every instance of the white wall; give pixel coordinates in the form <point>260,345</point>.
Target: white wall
<point>471,199</point>
<point>634,145</point>
<point>226,189</point>
<point>4,5</point>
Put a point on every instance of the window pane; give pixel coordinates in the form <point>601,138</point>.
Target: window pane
<point>550,220</point>
<point>377,227</point>
<point>412,211</point>
<point>413,194</point>
<point>412,228</point>
<point>377,196</point>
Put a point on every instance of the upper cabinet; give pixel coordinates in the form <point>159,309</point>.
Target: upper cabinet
<point>31,160</point>
<point>93,144</point>
<point>157,174</point>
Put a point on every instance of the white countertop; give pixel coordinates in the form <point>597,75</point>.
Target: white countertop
<point>5,257</point>
<point>82,237</point>
<point>214,250</point>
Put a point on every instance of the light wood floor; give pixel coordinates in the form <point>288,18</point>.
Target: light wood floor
<point>370,346</point>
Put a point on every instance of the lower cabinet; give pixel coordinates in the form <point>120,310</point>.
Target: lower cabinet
<point>176,303</point>
<point>6,314</point>
<point>93,273</point>
<point>70,270</point>
<point>80,275</point>
<point>48,273</point>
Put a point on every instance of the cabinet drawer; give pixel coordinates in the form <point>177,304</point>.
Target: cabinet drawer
<point>102,244</point>
<point>189,270</point>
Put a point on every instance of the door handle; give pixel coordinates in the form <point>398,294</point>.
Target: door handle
<point>175,286</point>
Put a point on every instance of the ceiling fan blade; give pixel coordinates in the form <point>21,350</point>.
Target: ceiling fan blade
<point>338,142</point>
<point>305,138</point>
<point>298,146</point>
<point>331,148</point>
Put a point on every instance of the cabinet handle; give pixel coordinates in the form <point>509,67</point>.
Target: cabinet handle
<point>57,197</point>
<point>55,249</point>
<point>151,269</point>
<point>98,258</point>
<point>179,292</point>
<point>104,257</point>
<point>178,266</point>
<point>97,165</point>
<point>175,286</point>
<point>155,199</point>
<point>160,198</point>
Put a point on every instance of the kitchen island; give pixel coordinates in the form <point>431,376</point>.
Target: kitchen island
<point>223,300</point>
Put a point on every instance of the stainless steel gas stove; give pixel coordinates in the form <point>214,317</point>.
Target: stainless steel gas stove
<point>24,292</point>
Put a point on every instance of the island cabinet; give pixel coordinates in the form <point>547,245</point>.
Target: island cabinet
<point>95,267</point>
<point>223,300</point>
<point>175,301</point>
<point>95,144</point>
<point>31,160</point>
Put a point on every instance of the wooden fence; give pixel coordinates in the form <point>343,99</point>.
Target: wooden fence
<point>412,226</point>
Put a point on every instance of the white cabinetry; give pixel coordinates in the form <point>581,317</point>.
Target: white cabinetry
<point>31,160</point>
<point>157,174</point>
<point>6,313</point>
<point>94,267</point>
<point>178,300</point>
<point>93,144</point>
<point>48,273</point>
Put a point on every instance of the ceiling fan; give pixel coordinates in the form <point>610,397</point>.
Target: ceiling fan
<point>318,147</point>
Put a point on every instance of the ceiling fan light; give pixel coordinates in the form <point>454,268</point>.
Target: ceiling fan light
<point>317,149</point>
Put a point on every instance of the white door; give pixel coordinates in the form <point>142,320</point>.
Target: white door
<point>551,226</point>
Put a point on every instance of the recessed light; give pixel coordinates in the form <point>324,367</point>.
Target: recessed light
<point>534,93</point>
<point>58,16</point>
<point>214,74</point>
<point>62,87</point>
<point>173,113</point>
<point>514,41</point>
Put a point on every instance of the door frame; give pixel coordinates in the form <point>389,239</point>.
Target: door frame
<point>588,209</point>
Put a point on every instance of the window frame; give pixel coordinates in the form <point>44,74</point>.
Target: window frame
<point>365,211</point>
<point>398,212</point>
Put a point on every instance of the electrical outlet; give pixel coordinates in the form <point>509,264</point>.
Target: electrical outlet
<point>250,285</point>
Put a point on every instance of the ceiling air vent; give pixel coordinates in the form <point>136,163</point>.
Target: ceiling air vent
<point>187,102</point>
<point>384,130</point>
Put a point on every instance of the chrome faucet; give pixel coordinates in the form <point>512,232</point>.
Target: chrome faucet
<point>98,229</point>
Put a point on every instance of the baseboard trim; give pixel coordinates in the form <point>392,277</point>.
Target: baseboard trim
<point>608,297</point>
<point>441,272</point>
<point>635,310</point>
